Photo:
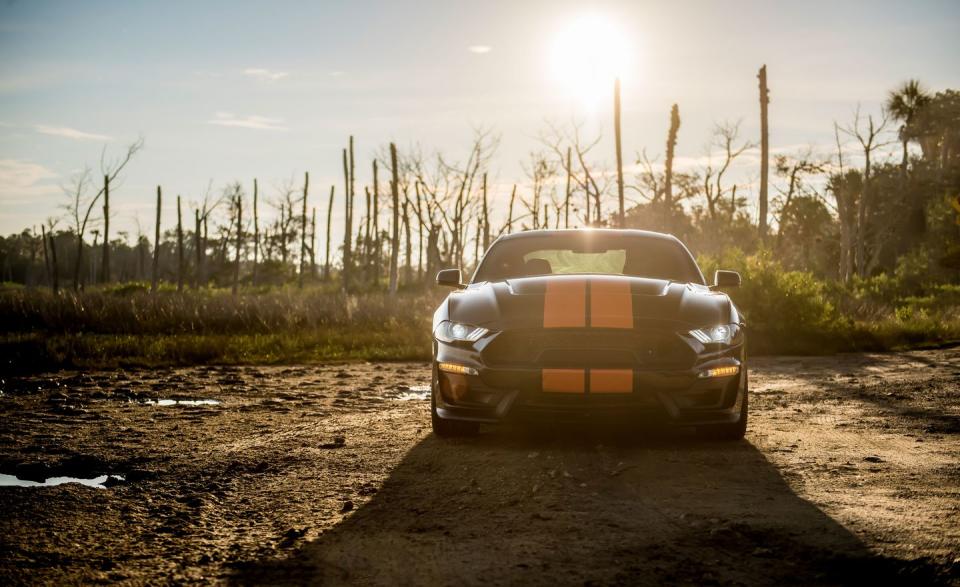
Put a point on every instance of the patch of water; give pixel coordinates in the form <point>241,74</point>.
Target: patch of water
<point>414,393</point>
<point>96,482</point>
<point>180,402</point>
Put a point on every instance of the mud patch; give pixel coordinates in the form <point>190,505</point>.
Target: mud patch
<point>411,393</point>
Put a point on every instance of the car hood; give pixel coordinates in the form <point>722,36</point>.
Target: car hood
<point>590,301</point>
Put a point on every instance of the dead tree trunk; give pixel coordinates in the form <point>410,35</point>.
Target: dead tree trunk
<point>378,246</point>
<point>513,197</point>
<point>395,241</point>
<point>236,263</point>
<point>198,270</point>
<point>313,242</point>
<point>408,251</point>
<point>764,150</point>
<point>486,215</point>
<point>55,266</point>
<point>420,222</point>
<point>616,131</point>
<point>303,227</point>
<point>179,248</point>
<point>668,164</point>
<point>347,237</point>
<point>366,230</point>
<point>566,193</point>
<point>283,239</point>
<point>156,248</point>
<point>46,257</point>
<point>256,234</point>
<point>326,252</point>
<point>105,265</point>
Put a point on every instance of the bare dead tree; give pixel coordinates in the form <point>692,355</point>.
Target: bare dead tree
<point>589,178</point>
<point>567,192</point>
<point>348,224</point>
<point>80,203</point>
<point>540,171</point>
<point>105,265</point>
<point>725,137</point>
<point>326,261</point>
<point>378,247</point>
<point>313,242</point>
<point>55,266</point>
<point>513,197</point>
<point>156,247</point>
<point>303,228</point>
<point>668,163</point>
<point>236,263</point>
<point>764,150</point>
<point>485,215</point>
<point>794,170</point>
<point>616,131</point>
<point>421,226</point>
<point>256,233</point>
<point>179,247</point>
<point>46,257</point>
<point>395,241</point>
<point>198,251</point>
<point>408,251</point>
<point>868,134</point>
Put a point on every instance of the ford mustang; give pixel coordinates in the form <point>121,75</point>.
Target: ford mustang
<point>564,324</point>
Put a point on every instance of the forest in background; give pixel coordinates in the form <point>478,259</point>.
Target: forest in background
<point>849,248</point>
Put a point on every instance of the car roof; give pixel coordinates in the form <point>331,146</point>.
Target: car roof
<point>588,231</point>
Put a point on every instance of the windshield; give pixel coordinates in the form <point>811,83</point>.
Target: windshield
<point>636,255</point>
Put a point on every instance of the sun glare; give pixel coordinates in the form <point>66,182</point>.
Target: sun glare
<point>587,54</point>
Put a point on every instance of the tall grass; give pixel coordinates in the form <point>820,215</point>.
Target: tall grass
<point>126,325</point>
<point>786,312</point>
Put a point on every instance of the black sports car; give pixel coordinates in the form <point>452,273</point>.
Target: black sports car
<point>567,323</point>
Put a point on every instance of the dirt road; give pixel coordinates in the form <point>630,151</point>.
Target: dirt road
<point>850,473</point>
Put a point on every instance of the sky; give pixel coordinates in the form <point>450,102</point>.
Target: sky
<point>229,91</point>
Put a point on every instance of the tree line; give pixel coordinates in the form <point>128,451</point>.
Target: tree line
<point>824,214</point>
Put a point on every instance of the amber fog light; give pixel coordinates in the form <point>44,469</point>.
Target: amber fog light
<point>458,369</point>
<point>453,386</point>
<point>720,371</point>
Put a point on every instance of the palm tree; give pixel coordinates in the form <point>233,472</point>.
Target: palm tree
<point>904,103</point>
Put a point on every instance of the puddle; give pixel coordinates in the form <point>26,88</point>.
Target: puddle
<point>414,393</point>
<point>96,482</point>
<point>180,402</point>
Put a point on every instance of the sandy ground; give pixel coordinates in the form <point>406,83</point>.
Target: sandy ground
<point>850,474</point>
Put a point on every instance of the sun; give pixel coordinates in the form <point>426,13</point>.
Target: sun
<point>587,54</point>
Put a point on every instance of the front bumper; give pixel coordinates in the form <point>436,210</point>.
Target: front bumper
<point>670,394</point>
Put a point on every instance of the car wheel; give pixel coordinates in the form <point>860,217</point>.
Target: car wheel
<point>449,428</point>
<point>728,432</point>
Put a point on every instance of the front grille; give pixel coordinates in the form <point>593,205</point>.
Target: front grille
<point>589,348</point>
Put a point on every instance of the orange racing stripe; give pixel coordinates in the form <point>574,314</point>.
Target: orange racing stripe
<point>565,304</point>
<point>563,380</point>
<point>611,304</point>
<point>611,381</point>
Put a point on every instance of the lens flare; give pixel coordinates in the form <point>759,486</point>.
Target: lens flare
<point>587,54</point>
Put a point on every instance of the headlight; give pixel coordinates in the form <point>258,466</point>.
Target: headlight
<point>449,331</point>
<point>723,334</point>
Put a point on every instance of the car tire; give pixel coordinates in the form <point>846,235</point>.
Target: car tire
<point>449,428</point>
<point>728,432</point>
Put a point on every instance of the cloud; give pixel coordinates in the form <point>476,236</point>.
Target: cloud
<point>70,133</point>
<point>479,49</point>
<point>264,74</point>
<point>21,182</point>
<point>253,121</point>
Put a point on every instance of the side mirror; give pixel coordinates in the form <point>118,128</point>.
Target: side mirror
<point>726,279</point>
<point>449,278</point>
